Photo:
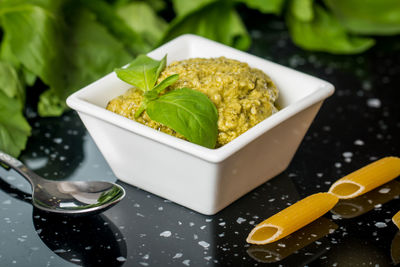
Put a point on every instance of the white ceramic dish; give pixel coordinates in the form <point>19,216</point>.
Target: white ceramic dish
<point>202,179</point>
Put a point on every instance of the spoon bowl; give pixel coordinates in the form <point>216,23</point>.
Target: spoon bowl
<point>67,197</point>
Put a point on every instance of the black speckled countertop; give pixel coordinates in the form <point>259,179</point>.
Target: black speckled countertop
<point>358,124</point>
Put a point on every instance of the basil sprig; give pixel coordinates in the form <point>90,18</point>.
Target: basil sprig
<point>186,111</point>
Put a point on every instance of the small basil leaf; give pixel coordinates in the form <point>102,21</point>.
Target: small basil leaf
<point>165,83</point>
<point>142,72</point>
<point>189,113</point>
<point>161,67</point>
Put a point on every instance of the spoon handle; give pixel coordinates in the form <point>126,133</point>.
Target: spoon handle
<point>17,165</point>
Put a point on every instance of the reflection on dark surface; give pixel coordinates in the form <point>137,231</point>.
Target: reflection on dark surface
<point>55,148</point>
<point>350,208</point>
<point>86,241</point>
<point>279,250</point>
<point>357,252</point>
<point>395,249</point>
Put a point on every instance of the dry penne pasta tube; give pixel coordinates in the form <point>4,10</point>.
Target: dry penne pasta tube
<point>366,178</point>
<point>292,218</point>
<point>277,251</point>
<point>396,219</point>
<point>353,207</point>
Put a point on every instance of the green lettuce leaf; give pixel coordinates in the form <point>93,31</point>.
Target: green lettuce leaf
<point>117,26</point>
<point>324,33</point>
<point>218,21</point>
<point>14,129</point>
<point>265,6</point>
<point>184,7</point>
<point>302,9</point>
<point>142,18</point>
<point>10,82</point>
<point>378,17</point>
<point>64,58</point>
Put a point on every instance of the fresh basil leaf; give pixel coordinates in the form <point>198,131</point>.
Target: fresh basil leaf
<point>325,33</point>
<point>189,113</point>
<point>165,83</point>
<point>161,67</point>
<point>302,9</point>
<point>268,7</point>
<point>218,21</point>
<point>142,72</point>
<point>367,16</point>
<point>143,19</point>
<point>14,129</point>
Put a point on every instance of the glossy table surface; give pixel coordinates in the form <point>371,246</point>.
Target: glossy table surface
<point>358,124</point>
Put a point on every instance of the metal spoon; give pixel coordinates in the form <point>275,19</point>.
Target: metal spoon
<point>67,197</point>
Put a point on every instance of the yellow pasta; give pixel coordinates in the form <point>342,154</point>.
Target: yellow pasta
<point>292,218</point>
<point>350,208</point>
<point>396,219</point>
<point>366,178</point>
<point>277,251</point>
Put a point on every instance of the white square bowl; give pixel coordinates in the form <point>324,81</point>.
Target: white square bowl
<point>202,179</point>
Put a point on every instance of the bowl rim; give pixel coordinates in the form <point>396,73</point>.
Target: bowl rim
<point>78,102</point>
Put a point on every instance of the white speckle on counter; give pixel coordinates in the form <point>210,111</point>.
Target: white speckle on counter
<point>6,202</point>
<point>177,256</point>
<point>121,259</point>
<point>240,220</point>
<point>384,190</point>
<point>347,154</point>
<point>380,224</point>
<point>186,262</point>
<point>166,234</point>
<point>204,244</point>
<point>359,142</point>
<point>374,103</point>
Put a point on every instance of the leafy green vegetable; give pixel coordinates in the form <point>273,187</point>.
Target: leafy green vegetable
<point>14,129</point>
<point>10,83</point>
<point>117,26</point>
<point>184,7</point>
<point>367,16</point>
<point>141,17</point>
<point>270,6</point>
<point>302,9</point>
<point>325,33</point>
<point>188,112</point>
<point>217,21</point>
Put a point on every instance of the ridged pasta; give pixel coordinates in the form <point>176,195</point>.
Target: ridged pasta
<point>367,178</point>
<point>292,218</point>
